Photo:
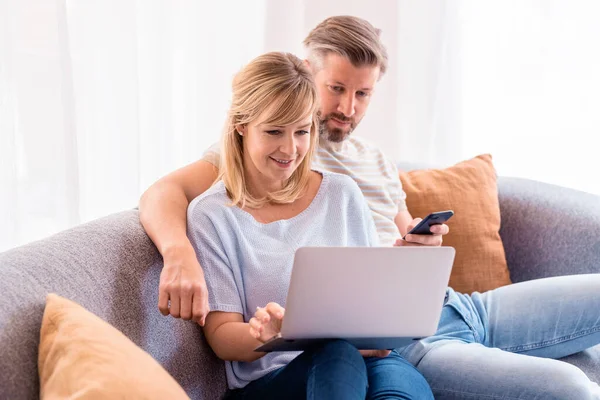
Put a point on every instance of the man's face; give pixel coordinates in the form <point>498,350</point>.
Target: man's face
<point>345,92</point>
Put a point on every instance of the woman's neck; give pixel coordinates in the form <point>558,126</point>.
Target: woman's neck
<point>271,212</point>
<point>259,186</point>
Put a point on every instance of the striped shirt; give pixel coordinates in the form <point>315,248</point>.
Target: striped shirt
<point>375,174</point>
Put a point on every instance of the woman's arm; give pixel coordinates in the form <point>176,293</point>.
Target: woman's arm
<point>229,337</point>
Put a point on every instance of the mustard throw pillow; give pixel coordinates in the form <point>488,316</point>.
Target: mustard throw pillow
<point>81,356</point>
<point>469,188</point>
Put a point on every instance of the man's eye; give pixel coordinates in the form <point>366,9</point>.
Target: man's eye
<point>273,132</point>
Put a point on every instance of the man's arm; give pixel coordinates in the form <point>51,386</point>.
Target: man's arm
<point>163,210</point>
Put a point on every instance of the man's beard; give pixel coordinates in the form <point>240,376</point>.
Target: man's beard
<point>335,135</point>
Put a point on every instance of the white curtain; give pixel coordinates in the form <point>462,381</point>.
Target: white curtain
<point>530,73</point>
<point>100,98</point>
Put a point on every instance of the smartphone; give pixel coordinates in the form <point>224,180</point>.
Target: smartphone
<point>435,218</point>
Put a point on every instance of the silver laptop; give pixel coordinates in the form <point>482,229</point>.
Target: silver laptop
<point>373,297</point>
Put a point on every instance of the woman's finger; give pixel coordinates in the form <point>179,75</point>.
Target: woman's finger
<point>275,310</point>
<point>256,325</point>
<point>262,315</point>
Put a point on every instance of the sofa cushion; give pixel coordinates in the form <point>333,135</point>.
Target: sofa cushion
<point>469,188</point>
<point>81,355</point>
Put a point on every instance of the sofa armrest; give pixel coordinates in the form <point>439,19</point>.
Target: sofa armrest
<point>112,268</point>
<point>548,230</point>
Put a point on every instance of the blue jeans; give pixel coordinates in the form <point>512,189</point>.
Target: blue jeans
<point>503,344</point>
<point>336,370</point>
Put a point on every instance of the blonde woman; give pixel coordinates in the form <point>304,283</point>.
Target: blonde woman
<point>246,228</point>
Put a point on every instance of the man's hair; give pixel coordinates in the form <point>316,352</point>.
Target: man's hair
<point>281,85</point>
<point>350,37</point>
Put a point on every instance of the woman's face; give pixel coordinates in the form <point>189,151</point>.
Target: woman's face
<point>272,153</point>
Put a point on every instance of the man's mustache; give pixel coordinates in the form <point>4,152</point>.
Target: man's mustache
<point>338,116</point>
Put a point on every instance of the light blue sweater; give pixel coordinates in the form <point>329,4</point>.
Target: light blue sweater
<point>249,264</point>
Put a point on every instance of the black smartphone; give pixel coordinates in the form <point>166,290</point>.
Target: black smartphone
<point>435,218</point>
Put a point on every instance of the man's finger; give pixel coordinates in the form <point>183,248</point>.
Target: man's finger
<point>175,305</point>
<point>414,223</point>
<point>414,240</point>
<point>428,240</point>
<point>200,308</point>
<point>163,300</point>
<point>186,302</point>
<point>441,229</point>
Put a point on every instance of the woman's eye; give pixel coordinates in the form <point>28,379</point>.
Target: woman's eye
<point>337,89</point>
<point>274,132</point>
<point>362,94</point>
<point>303,132</point>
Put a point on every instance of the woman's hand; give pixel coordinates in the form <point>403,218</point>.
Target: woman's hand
<point>266,322</point>
<point>375,353</point>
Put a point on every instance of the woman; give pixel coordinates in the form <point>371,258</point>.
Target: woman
<point>246,228</point>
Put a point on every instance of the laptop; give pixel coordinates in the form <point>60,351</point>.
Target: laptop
<point>373,297</point>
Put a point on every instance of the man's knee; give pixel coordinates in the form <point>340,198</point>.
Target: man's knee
<point>572,383</point>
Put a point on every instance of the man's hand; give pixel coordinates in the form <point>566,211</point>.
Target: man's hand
<point>375,353</point>
<point>266,322</point>
<point>182,290</point>
<point>424,240</point>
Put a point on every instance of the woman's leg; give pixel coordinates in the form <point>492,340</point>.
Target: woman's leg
<point>335,370</point>
<point>393,377</point>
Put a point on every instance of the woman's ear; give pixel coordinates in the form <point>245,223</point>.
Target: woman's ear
<point>241,129</point>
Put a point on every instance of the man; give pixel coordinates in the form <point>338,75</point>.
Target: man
<point>483,346</point>
<point>346,73</point>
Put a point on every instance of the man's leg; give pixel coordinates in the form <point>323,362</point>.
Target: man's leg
<point>552,317</point>
<point>335,370</point>
<point>548,318</point>
<point>457,370</point>
<point>393,377</point>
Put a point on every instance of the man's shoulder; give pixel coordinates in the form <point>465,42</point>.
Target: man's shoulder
<point>372,151</point>
<point>362,144</point>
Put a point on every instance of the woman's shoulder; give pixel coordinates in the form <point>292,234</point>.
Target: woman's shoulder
<point>213,199</point>
<point>340,184</point>
<point>337,181</point>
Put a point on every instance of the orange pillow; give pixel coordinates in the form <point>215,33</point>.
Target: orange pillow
<point>469,188</point>
<point>81,356</point>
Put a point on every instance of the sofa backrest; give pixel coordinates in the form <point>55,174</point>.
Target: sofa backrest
<point>110,267</point>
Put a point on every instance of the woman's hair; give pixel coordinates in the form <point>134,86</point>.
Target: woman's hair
<point>282,84</point>
<point>350,37</point>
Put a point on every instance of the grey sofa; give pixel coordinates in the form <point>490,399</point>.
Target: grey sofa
<point>112,268</point>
